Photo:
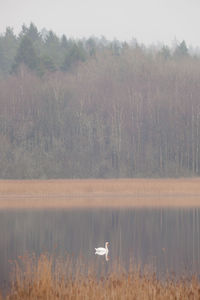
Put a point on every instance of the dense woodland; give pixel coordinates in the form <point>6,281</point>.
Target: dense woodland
<point>96,108</point>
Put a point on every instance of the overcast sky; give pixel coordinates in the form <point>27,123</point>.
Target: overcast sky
<point>149,21</point>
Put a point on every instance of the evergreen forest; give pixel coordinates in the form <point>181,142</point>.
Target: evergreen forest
<point>93,108</point>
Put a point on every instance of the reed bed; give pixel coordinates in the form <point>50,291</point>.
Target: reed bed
<point>43,278</point>
<point>96,186</point>
<point>72,193</point>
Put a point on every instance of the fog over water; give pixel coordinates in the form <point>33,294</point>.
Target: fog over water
<point>166,239</point>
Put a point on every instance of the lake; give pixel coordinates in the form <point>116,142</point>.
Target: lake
<point>168,239</point>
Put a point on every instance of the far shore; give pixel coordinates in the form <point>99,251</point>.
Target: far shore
<point>94,193</point>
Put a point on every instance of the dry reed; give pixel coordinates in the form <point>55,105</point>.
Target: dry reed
<point>99,193</point>
<point>42,279</point>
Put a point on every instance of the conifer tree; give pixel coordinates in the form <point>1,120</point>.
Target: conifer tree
<point>26,54</point>
<point>181,50</point>
<point>75,54</point>
<point>8,49</point>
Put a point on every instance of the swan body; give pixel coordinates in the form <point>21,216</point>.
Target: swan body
<point>101,250</point>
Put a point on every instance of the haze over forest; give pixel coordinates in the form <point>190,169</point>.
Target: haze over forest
<point>96,108</point>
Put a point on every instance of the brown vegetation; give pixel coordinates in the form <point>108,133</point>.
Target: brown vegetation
<point>99,193</point>
<point>38,279</point>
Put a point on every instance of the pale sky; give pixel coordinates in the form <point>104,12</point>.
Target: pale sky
<point>149,21</point>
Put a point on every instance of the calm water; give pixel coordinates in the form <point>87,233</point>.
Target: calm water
<point>168,239</point>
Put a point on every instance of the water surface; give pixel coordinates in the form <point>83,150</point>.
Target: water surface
<point>166,239</point>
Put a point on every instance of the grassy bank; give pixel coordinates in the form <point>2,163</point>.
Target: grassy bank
<point>42,279</point>
<point>99,193</point>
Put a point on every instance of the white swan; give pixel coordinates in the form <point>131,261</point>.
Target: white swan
<point>101,250</point>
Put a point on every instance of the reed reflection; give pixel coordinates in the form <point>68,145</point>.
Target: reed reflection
<point>166,239</point>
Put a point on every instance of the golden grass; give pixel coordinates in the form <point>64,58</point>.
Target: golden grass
<point>35,279</point>
<point>71,193</point>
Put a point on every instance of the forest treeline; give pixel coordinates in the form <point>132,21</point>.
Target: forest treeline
<point>96,108</point>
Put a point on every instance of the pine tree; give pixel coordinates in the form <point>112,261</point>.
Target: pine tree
<point>8,49</point>
<point>52,48</point>
<point>165,52</point>
<point>91,46</point>
<point>33,33</point>
<point>26,54</point>
<point>181,50</point>
<point>64,42</point>
<point>47,63</point>
<point>75,54</point>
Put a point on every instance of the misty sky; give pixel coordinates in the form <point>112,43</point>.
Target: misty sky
<point>149,21</point>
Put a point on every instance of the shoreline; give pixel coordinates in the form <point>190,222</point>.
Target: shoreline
<point>99,193</point>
